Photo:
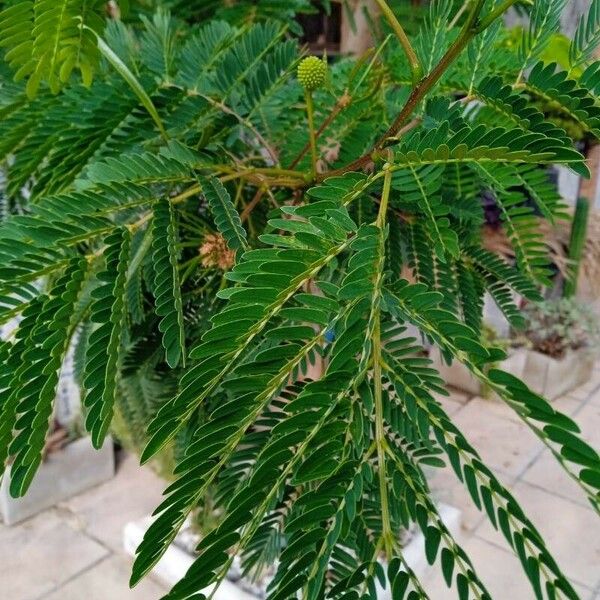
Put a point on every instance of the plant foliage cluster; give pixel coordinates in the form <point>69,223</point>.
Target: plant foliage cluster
<point>556,326</point>
<point>240,264</point>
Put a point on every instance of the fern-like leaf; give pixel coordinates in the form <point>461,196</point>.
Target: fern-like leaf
<point>36,380</point>
<point>224,213</point>
<point>569,97</point>
<point>11,363</point>
<point>166,283</point>
<point>587,36</point>
<point>104,349</point>
<point>543,22</point>
<point>47,39</point>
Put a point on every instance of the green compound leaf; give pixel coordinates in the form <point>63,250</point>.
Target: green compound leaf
<point>226,217</point>
<point>35,381</point>
<point>167,287</point>
<point>103,354</point>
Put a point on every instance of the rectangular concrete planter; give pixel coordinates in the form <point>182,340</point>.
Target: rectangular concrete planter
<point>546,376</point>
<point>551,377</point>
<point>70,471</point>
<point>456,375</point>
<point>175,562</point>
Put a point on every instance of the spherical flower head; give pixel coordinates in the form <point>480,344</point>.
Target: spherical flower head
<point>312,72</point>
<point>214,252</point>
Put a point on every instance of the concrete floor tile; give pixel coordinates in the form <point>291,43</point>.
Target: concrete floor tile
<point>103,511</point>
<point>548,474</point>
<point>109,579</point>
<point>588,419</point>
<point>571,532</point>
<point>40,554</point>
<point>591,386</point>
<point>567,405</point>
<point>496,407</point>
<point>499,570</point>
<point>584,592</point>
<point>585,391</point>
<point>452,403</point>
<point>447,489</point>
<point>594,397</point>
<point>506,445</point>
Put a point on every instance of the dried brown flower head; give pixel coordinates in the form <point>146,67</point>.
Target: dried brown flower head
<point>215,252</point>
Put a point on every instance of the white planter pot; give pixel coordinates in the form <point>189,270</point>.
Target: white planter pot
<point>551,377</point>
<point>70,471</point>
<point>546,376</point>
<point>175,561</point>
<point>458,376</point>
<point>569,183</point>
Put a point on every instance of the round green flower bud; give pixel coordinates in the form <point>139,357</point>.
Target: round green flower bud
<point>312,72</point>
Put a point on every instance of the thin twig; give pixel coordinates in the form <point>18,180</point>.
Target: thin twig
<point>260,192</point>
<point>467,33</point>
<point>408,127</point>
<point>312,137</point>
<point>458,15</point>
<point>340,105</point>
<point>224,108</point>
<point>377,385</point>
<point>413,60</point>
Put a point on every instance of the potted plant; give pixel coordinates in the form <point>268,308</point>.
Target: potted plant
<point>561,339</point>
<point>554,354</point>
<point>460,377</point>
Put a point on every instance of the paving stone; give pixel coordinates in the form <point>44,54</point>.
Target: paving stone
<point>499,570</point>
<point>108,579</point>
<point>452,403</point>
<point>548,474</point>
<point>583,392</point>
<point>40,554</point>
<point>496,407</point>
<point>76,468</point>
<point>506,445</point>
<point>447,489</point>
<point>588,418</point>
<point>567,405</point>
<point>584,592</point>
<point>456,495</point>
<point>571,532</point>
<point>594,397</point>
<point>103,511</point>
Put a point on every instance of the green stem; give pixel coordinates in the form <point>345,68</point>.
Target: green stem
<point>310,113</point>
<point>273,171</point>
<point>468,32</point>
<point>415,65</point>
<point>385,196</point>
<point>131,79</point>
<point>380,439</point>
<point>463,562</point>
